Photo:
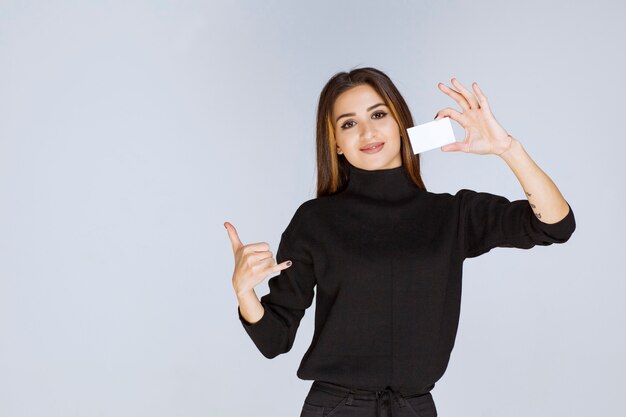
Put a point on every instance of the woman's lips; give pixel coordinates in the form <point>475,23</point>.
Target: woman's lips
<point>376,147</point>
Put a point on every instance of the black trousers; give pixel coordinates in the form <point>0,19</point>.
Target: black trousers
<point>331,400</point>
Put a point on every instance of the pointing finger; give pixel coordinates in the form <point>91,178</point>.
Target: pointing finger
<point>233,236</point>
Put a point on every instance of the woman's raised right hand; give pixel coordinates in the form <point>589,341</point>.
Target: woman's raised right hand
<point>253,262</point>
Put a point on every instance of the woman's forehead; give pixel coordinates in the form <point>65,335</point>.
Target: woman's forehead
<point>357,99</point>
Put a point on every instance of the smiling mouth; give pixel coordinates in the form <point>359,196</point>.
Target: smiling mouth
<point>372,146</point>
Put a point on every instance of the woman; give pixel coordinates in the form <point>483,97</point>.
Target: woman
<point>385,254</point>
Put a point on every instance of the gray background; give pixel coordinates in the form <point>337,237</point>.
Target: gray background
<point>131,130</point>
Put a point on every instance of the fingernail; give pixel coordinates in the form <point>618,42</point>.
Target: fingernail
<point>288,263</point>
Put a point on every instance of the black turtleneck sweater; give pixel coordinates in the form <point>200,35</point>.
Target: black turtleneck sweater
<point>386,260</point>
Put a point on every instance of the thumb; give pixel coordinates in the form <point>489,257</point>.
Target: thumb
<point>233,236</point>
<point>453,147</point>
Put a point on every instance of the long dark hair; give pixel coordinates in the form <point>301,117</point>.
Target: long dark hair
<point>332,169</point>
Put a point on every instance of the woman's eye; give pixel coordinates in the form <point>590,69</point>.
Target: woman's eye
<point>381,113</point>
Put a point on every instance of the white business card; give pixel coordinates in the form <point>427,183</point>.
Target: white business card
<point>431,135</point>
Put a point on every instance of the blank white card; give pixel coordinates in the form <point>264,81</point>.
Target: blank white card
<point>431,135</point>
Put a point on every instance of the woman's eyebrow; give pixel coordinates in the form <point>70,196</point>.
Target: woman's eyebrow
<point>354,114</point>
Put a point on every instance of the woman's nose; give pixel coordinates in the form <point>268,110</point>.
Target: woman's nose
<point>367,130</point>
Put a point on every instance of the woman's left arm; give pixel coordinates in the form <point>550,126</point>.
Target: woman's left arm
<point>543,195</point>
<point>484,135</point>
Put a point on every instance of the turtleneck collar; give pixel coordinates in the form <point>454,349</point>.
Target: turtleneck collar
<point>380,184</point>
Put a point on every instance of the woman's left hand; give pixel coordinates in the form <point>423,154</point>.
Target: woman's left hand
<point>483,134</point>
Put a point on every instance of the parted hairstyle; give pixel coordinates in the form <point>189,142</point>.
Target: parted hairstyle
<point>332,168</point>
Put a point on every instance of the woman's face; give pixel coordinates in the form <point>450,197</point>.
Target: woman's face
<point>362,119</point>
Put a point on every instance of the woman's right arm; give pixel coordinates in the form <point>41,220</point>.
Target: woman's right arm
<point>273,320</point>
<point>250,307</point>
<point>253,263</point>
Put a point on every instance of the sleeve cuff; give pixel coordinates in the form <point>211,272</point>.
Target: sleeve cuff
<point>248,324</point>
<point>267,333</point>
<point>561,230</point>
